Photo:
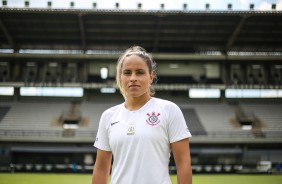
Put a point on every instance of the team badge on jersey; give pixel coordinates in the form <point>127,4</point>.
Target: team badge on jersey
<point>131,129</point>
<point>153,118</point>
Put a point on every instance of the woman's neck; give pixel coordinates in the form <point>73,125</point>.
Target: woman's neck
<point>135,103</point>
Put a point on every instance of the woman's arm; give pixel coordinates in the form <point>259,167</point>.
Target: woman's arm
<point>181,153</point>
<point>102,167</point>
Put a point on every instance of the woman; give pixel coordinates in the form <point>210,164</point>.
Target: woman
<point>141,132</point>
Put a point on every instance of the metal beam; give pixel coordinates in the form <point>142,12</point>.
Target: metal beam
<point>157,56</point>
<point>235,33</point>
<point>7,34</point>
<point>82,32</point>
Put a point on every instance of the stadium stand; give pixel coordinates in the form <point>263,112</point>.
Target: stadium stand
<point>193,122</point>
<point>31,116</point>
<point>216,119</point>
<point>3,112</point>
<point>207,49</point>
<point>211,120</point>
<point>39,119</point>
<point>270,115</point>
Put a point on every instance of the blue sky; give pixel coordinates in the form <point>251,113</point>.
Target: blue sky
<point>152,4</point>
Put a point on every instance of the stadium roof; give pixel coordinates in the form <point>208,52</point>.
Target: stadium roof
<point>157,31</point>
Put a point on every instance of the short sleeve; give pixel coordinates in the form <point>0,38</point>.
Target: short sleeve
<point>102,138</point>
<point>177,127</point>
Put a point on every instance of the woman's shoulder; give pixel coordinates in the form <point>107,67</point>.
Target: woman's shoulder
<point>164,103</point>
<point>113,109</point>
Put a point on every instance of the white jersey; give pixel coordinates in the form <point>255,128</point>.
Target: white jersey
<point>140,140</point>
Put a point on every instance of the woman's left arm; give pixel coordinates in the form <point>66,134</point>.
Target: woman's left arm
<point>181,153</point>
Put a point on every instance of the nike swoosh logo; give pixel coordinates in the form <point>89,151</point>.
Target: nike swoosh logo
<point>114,123</point>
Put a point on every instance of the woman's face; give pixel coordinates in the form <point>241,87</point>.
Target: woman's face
<point>135,77</point>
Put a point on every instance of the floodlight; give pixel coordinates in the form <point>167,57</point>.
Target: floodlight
<point>4,3</point>
<point>229,6</point>
<point>185,6</point>
<point>26,4</point>
<point>207,6</point>
<point>49,4</point>
<point>104,72</point>
<point>71,4</point>
<point>273,6</point>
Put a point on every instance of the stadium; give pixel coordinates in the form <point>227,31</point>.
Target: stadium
<point>57,76</point>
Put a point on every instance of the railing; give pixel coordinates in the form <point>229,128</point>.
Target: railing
<point>230,134</point>
<point>44,133</point>
<point>92,134</point>
<point>244,134</point>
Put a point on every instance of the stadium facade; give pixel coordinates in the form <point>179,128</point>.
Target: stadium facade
<point>223,68</point>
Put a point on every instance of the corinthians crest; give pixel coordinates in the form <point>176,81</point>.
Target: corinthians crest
<point>153,118</point>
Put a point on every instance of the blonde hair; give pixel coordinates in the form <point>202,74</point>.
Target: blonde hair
<point>142,53</point>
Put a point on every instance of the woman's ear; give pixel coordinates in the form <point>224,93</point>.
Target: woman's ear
<point>152,76</point>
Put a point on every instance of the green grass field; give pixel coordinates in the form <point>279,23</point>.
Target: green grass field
<point>27,178</point>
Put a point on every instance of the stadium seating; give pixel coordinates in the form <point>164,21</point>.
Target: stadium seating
<point>270,116</point>
<point>210,119</point>
<point>209,122</point>
<point>3,111</point>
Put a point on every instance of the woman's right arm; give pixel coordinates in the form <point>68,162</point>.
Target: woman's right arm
<point>102,167</point>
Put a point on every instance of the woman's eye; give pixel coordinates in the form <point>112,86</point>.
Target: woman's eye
<point>126,73</point>
<point>140,72</point>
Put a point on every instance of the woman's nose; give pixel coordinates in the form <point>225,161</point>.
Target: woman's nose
<point>133,78</point>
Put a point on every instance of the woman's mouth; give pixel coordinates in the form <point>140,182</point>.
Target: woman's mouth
<point>134,86</point>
